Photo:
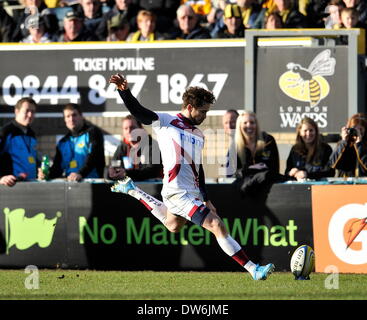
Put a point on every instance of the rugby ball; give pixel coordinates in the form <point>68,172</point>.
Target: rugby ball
<point>303,262</point>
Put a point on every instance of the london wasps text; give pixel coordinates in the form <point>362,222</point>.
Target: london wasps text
<point>291,115</point>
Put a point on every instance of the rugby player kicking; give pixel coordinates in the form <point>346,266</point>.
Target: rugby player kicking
<point>183,192</point>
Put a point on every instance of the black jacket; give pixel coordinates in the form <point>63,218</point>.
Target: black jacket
<point>318,168</point>
<point>197,33</point>
<point>147,160</point>
<point>349,160</point>
<point>129,14</point>
<point>6,26</point>
<point>268,155</point>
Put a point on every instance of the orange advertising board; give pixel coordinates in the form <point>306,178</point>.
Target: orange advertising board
<point>339,218</point>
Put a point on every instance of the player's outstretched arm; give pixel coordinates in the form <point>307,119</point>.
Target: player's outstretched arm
<point>141,113</point>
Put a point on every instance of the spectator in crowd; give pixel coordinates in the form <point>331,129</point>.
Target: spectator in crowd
<point>6,25</point>
<point>32,8</point>
<point>38,33</point>
<point>332,21</point>
<point>349,158</point>
<point>349,19</point>
<point>291,17</point>
<point>273,21</point>
<point>18,145</point>
<point>91,11</point>
<point>188,25</point>
<point>257,156</point>
<point>80,153</point>
<point>146,22</point>
<point>360,6</point>
<point>309,156</point>
<point>250,11</point>
<point>118,29</point>
<point>74,29</point>
<point>138,154</point>
<point>124,9</point>
<point>229,120</point>
<point>233,25</point>
<point>165,11</point>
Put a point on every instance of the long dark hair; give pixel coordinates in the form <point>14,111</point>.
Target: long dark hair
<point>309,152</point>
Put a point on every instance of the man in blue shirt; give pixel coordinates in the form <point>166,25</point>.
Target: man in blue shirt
<point>18,145</point>
<point>80,153</point>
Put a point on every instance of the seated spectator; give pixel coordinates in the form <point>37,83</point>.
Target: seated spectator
<point>257,156</point>
<point>18,145</point>
<point>138,154</point>
<point>234,27</point>
<point>349,158</point>
<point>90,11</point>
<point>118,29</point>
<point>80,153</point>
<point>349,19</point>
<point>291,17</point>
<point>188,25</point>
<point>125,9</point>
<point>146,22</point>
<point>309,156</point>
<point>6,26</point>
<point>229,120</point>
<point>33,7</point>
<point>165,11</point>
<point>38,33</point>
<point>250,11</point>
<point>74,29</point>
<point>360,6</point>
<point>273,21</point>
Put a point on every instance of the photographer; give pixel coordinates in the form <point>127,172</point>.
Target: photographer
<point>350,155</point>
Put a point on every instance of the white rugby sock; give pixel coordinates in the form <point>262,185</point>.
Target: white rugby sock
<point>156,207</point>
<point>231,247</point>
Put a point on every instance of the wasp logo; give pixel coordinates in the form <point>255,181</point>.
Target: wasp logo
<point>308,84</point>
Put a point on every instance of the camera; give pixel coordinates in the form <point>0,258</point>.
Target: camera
<point>352,132</point>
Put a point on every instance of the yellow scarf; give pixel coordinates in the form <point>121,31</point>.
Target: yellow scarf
<point>137,34</point>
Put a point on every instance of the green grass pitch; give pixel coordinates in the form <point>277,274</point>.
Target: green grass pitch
<point>149,285</point>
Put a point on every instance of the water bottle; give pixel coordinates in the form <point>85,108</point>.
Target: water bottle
<point>45,166</point>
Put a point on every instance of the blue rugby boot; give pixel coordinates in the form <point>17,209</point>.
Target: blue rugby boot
<point>123,186</point>
<point>262,272</point>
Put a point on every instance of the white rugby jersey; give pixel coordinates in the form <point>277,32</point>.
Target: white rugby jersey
<point>181,146</point>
